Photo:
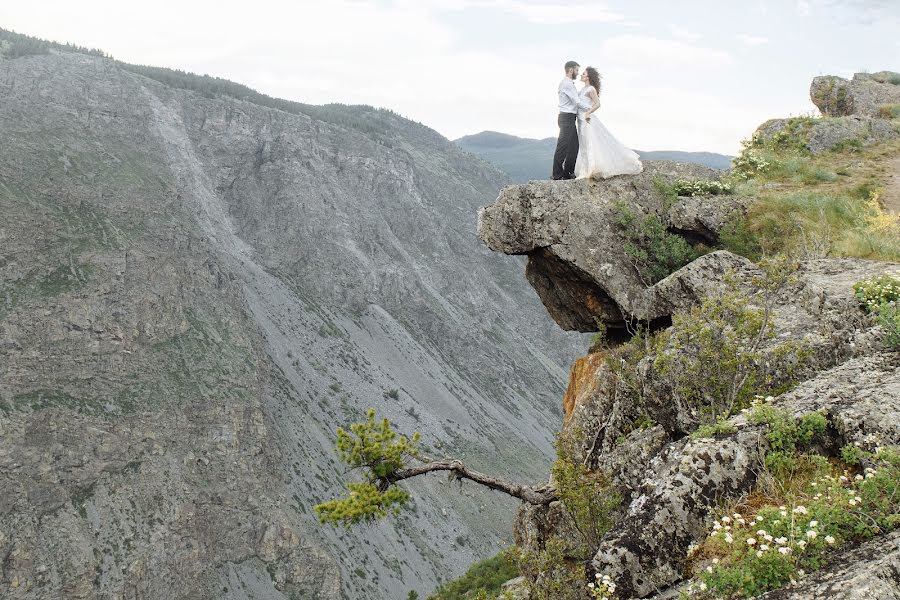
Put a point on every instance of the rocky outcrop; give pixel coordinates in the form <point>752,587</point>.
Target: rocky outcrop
<point>579,260</point>
<point>821,135</point>
<point>863,95</point>
<point>672,484</point>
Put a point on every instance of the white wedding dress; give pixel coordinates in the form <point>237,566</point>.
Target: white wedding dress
<point>601,154</point>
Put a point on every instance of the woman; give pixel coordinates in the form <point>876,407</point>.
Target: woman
<point>599,153</point>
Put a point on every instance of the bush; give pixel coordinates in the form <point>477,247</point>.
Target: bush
<point>655,252</point>
<point>485,577</point>
<point>749,163</point>
<point>701,187</point>
<point>550,575</point>
<point>585,494</point>
<point>876,292</point>
<point>712,355</point>
<point>786,436</point>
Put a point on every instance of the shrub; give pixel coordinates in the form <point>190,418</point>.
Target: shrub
<point>701,187</point>
<point>655,252</point>
<point>485,577</point>
<point>586,494</point>
<point>786,436</point>
<point>875,292</point>
<point>712,355</point>
<point>749,163</point>
<point>551,576</point>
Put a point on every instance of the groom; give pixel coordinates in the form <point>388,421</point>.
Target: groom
<point>567,144</point>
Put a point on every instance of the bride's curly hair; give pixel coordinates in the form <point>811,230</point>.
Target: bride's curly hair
<point>593,78</point>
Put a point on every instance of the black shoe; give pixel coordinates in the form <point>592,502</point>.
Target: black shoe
<point>568,177</point>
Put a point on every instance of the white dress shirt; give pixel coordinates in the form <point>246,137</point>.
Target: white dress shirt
<point>569,99</point>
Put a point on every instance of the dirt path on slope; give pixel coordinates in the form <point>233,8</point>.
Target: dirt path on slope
<point>891,198</point>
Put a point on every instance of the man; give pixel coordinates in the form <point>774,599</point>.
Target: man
<point>569,104</point>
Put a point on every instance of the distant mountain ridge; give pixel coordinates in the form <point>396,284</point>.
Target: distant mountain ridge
<point>525,159</point>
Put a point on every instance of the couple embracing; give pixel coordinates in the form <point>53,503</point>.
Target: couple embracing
<point>585,147</point>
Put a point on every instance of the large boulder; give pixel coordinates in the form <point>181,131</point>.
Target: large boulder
<point>579,260</point>
<point>865,94</point>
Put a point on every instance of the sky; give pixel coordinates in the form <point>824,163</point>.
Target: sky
<point>696,75</point>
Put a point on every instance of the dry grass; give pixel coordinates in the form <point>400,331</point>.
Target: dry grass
<point>825,205</point>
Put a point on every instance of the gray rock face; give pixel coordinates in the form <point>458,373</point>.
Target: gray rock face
<point>827,134</point>
<point>863,95</point>
<point>869,572</point>
<point>194,293</point>
<point>577,257</point>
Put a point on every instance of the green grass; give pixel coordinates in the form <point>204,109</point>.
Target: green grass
<point>889,111</point>
<point>484,577</point>
<point>815,206</point>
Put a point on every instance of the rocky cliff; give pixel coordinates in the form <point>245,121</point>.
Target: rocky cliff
<point>195,291</point>
<point>689,407</point>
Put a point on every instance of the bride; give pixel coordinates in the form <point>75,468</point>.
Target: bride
<point>599,153</point>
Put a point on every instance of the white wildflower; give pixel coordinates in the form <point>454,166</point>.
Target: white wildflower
<point>751,541</point>
<point>829,539</point>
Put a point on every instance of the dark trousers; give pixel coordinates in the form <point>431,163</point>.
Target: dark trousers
<point>566,148</point>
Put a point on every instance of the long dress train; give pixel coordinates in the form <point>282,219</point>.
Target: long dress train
<point>600,153</point>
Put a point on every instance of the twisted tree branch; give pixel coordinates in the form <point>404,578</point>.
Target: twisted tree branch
<point>456,467</point>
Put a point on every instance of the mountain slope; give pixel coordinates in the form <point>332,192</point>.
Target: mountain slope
<point>526,159</point>
<point>196,291</point>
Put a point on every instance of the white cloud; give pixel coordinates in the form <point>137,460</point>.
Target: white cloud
<point>684,34</point>
<point>751,40</point>
<point>804,8</point>
<point>645,51</point>
<point>540,13</point>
